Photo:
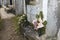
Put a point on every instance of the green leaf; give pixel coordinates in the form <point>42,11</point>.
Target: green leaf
<point>37,16</point>
<point>41,15</point>
<point>44,23</point>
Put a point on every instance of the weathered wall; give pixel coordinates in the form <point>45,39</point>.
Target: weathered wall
<point>4,2</point>
<point>58,35</point>
<point>58,22</point>
<point>19,6</point>
<point>51,28</point>
<point>8,2</point>
<point>58,14</point>
<point>45,6</point>
<point>0,2</point>
<point>32,10</point>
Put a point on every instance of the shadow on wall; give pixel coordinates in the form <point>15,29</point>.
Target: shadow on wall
<point>27,1</point>
<point>10,2</point>
<point>0,6</point>
<point>58,17</point>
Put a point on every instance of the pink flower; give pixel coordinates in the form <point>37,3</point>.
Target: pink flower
<point>40,25</point>
<point>37,25</point>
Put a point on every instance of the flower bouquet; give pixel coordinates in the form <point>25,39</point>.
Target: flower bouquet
<point>39,24</point>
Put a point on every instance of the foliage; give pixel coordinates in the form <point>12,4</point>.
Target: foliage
<point>20,21</point>
<point>41,30</point>
<point>37,16</point>
<point>40,15</point>
<point>44,23</point>
<point>15,21</point>
<point>23,22</point>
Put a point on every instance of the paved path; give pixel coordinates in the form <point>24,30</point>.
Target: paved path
<point>4,14</point>
<point>8,32</point>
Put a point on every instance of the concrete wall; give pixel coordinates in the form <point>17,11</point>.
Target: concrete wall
<point>0,2</point>
<point>45,6</point>
<point>51,29</point>
<point>32,10</point>
<point>58,22</point>
<point>4,2</point>
<point>19,6</point>
<point>13,2</point>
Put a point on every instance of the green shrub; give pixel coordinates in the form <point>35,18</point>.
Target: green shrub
<point>15,21</point>
<point>20,21</point>
<point>41,30</point>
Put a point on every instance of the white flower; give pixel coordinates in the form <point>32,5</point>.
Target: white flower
<point>40,25</point>
<point>40,20</point>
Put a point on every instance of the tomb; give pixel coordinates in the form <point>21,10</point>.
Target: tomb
<point>50,9</point>
<point>51,29</point>
<point>20,6</point>
<point>0,3</point>
<point>32,10</point>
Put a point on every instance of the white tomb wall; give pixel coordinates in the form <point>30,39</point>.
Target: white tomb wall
<point>32,10</point>
<point>51,28</point>
<point>19,6</point>
<point>0,2</point>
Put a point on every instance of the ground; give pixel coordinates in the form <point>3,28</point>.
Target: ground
<point>8,31</point>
